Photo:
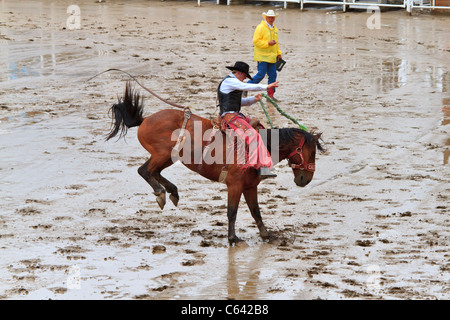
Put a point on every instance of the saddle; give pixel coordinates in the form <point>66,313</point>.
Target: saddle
<point>222,122</point>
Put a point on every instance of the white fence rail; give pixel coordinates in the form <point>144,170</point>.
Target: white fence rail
<point>409,5</point>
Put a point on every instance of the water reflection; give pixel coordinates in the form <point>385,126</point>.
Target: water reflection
<point>390,73</point>
<point>393,74</point>
<point>42,51</point>
<point>17,70</point>
<point>243,279</point>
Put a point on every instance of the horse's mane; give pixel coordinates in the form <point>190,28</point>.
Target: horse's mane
<point>291,135</point>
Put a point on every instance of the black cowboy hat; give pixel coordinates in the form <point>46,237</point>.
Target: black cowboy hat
<point>242,67</point>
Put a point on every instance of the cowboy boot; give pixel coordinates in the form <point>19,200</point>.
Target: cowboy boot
<point>270,93</point>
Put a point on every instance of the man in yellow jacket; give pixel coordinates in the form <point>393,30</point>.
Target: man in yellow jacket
<point>267,50</point>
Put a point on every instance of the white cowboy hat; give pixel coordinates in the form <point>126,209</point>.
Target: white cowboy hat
<point>269,13</point>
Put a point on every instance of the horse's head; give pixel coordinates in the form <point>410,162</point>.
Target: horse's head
<point>302,156</point>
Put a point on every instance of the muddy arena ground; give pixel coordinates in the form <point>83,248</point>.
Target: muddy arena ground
<point>78,222</point>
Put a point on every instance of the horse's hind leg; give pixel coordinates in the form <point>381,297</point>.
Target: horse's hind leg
<point>170,188</point>
<point>148,175</point>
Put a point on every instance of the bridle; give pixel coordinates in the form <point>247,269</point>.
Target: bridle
<point>311,167</point>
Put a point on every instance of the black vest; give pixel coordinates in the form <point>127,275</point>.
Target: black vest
<point>230,101</point>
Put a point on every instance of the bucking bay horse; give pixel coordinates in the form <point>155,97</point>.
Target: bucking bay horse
<point>155,133</point>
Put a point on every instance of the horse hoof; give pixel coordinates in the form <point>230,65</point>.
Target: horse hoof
<point>272,239</point>
<point>275,241</point>
<point>238,242</point>
<point>161,199</point>
<point>174,199</point>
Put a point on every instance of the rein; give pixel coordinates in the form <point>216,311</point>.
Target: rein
<point>311,167</point>
<point>145,88</point>
<point>301,126</point>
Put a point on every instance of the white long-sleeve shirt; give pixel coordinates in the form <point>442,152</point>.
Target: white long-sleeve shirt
<point>232,83</point>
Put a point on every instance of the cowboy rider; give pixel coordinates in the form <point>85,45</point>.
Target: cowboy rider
<point>230,100</point>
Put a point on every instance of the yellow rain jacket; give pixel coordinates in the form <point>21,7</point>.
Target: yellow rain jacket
<point>263,34</point>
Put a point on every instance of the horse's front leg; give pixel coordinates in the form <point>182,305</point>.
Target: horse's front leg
<point>251,197</point>
<point>234,196</point>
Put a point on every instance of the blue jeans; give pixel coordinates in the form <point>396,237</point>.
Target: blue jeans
<point>265,68</point>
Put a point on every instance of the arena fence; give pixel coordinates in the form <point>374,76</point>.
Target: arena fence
<point>409,5</point>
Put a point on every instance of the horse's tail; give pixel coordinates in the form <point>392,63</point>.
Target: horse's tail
<point>126,113</point>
